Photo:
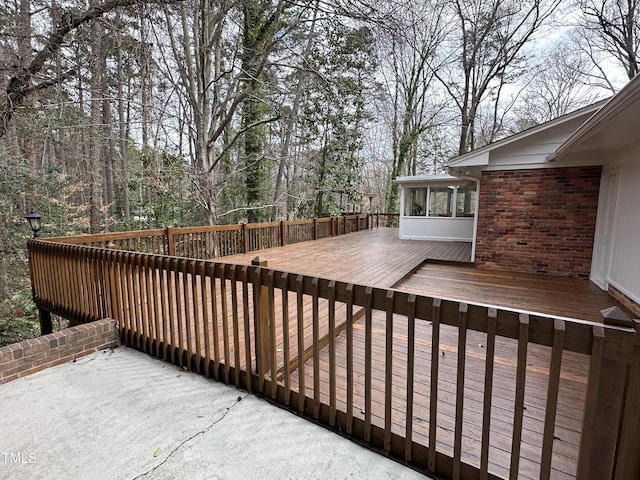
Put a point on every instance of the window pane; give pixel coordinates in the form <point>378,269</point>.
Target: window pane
<point>415,202</point>
<point>440,201</point>
<point>466,201</point>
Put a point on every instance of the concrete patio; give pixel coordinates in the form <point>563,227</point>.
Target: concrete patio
<point>107,414</point>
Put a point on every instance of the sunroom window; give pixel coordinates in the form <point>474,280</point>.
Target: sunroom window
<point>466,201</point>
<point>415,203</point>
<point>448,201</point>
<point>440,201</point>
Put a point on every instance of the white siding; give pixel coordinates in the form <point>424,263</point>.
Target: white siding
<point>434,228</point>
<point>624,269</point>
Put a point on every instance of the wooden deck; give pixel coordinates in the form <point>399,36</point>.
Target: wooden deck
<point>379,258</point>
<point>200,315</point>
<point>542,294</point>
<point>371,257</point>
<point>437,269</point>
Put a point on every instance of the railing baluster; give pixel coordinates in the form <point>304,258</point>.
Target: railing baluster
<point>186,323</point>
<point>145,300</point>
<point>332,353</point>
<point>368,336</point>
<point>236,327</point>
<point>388,376</point>
<point>225,320</point>
<point>133,303</point>
<point>589,423</point>
<point>156,304</point>
<point>247,327</point>
<point>316,350</point>
<point>492,316</point>
<point>300,316</point>
<point>272,336</point>
<point>433,393</point>
<point>285,338</point>
<point>206,322</point>
<point>198,302</point>
<point>212,271</point>
<point>165,309</point>
<point>349,294</point>
<point>521,377</point>
<point>460,374</point>
<point>411,344</point>
<point>174,306</point>
<point>552,398</point>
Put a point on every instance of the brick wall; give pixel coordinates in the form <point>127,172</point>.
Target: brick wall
<point>538,221</point>
<point>35,354</point>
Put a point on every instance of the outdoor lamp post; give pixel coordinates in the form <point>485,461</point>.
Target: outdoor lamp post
<point>34,219</point>
<point>35,223</point>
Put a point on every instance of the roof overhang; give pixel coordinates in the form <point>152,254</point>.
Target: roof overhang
<point>481,157</point>
<point>429,180</point>
<point>610,131</point>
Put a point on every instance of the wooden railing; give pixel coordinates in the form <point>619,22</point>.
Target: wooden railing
<point>369,362</point>
<point>209,242</point>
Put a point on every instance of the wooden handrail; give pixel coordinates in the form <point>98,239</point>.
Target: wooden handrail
<point>210,318</point>
<point>208,242</point>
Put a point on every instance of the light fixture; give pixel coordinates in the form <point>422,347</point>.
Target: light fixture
<point>34,219</point>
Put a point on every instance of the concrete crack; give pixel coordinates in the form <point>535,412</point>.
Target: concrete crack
<point>201,432</point>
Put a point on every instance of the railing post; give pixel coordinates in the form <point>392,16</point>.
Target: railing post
<point>283,233</point>
<point>245,237</point>
<point>46,326</point>
<point>627,463</point>
<point>602,422</point>
<point>315,228</point>
<point>171,244</point>
<point>262,326</point>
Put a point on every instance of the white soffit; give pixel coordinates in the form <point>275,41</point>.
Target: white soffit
<point>431,180</point>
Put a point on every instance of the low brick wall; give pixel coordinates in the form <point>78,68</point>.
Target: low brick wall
<point>35,354</point>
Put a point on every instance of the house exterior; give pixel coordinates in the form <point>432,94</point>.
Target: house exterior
<point>562,198</point>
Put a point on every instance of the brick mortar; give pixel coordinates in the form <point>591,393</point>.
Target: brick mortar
<point>539,220</point>
<point>36,354</point>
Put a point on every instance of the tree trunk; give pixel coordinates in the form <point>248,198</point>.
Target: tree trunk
<point>95,144</point>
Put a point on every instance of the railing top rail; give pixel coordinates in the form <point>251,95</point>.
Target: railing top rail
<point>104,237</point>
<point>114,236</point>
<point>207,228</point>
<point>306,221</point>
<point>253,226</point>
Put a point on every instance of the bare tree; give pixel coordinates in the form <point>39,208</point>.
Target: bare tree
<point>613,27</point>
<point>559,84</point>
<point>410,74</point>
<point>491,38</point>
<point>25,80</point>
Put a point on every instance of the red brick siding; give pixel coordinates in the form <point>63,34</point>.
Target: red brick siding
<point>35,354</point>
<point>538,221</point>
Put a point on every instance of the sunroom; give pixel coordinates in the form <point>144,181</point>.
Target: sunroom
<point>439,207</point>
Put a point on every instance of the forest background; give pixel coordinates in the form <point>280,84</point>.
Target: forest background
<point>134,114</point>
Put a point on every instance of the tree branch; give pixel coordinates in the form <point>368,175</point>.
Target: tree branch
<point>19,85</point>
